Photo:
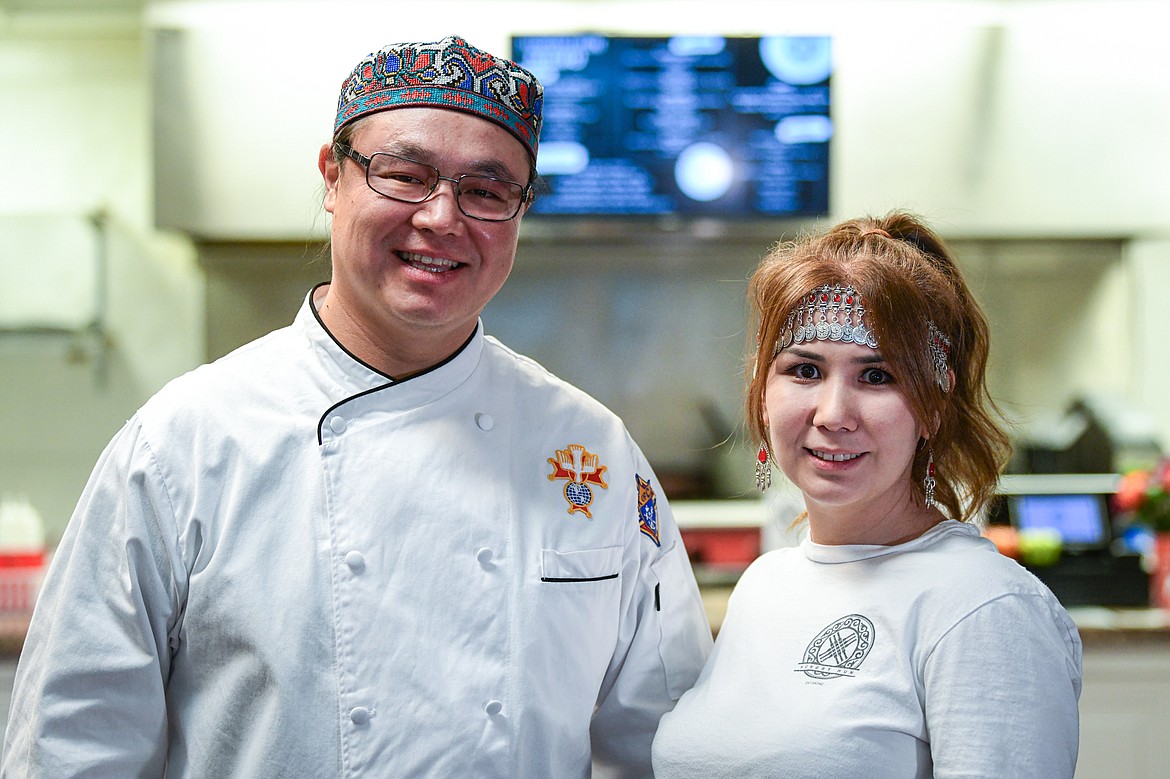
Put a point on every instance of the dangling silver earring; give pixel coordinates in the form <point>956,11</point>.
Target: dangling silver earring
<point>928,483</point>
<point>763,469</point>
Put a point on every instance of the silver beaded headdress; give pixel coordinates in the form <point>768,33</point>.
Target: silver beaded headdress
<point>835,312</point>
<point>831,313</point>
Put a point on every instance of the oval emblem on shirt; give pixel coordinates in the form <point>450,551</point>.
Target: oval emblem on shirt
<point>839,649</point>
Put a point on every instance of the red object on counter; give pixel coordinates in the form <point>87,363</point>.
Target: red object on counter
<point>722,546</point>
<point>20,580</point>
<point>23,560</point>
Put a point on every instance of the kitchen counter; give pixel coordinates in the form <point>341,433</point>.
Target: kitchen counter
<point>1099,627</point>
<point>1110,628</point>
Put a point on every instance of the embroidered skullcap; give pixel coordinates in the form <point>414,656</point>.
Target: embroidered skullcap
<point>450,73</point>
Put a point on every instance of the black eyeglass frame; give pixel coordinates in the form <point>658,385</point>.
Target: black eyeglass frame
<point>364,161</point>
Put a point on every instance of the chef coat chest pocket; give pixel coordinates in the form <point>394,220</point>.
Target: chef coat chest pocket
<point>580,605</point>
<point>580,567</point>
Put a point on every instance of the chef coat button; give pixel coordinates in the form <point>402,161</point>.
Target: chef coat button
<point>355,561</point>
<point>359,715</point>
<point>484,421</point>
<point>337,425</point>
<point>484,556</point>
<point>493,708</point>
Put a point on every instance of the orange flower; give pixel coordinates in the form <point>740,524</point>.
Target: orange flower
<point>1143,496</point>
<point>1131,491</point>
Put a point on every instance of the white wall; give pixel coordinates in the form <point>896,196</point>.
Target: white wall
<point>1149,323</point>
<point>74,137</point>
<point>998,118</point>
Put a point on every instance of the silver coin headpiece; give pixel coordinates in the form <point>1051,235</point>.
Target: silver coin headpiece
<point>835,312</point>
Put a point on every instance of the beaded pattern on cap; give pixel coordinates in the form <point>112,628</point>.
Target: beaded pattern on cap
<point>450,73</point>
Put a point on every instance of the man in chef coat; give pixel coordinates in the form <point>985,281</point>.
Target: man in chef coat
<point>376,542</point>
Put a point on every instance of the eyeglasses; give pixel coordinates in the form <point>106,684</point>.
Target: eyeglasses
<point>485,198</point>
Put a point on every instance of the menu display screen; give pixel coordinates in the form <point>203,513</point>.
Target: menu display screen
<point>687,125</point>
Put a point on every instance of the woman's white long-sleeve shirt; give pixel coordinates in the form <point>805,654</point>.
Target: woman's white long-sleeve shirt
<point>287,564</point>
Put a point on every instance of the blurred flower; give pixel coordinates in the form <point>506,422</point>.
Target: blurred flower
<point>1143,496</point>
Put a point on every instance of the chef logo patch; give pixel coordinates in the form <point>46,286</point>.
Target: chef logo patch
<point>579,468</point>
<point>839,649</point>
<point>647,510</point>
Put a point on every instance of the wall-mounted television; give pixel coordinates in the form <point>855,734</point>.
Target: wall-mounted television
<point>693,126</point>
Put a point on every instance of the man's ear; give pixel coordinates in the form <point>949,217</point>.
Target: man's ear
<point>330,170</point>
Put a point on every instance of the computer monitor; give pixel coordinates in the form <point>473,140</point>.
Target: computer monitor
<point>1081,519</point>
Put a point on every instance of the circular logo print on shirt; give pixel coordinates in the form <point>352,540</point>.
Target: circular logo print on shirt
<point>839,649</point>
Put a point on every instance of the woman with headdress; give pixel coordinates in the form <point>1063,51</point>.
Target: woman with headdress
<point>893,640</point>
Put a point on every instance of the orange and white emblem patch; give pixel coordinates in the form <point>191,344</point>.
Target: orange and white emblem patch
<point>579,468</point>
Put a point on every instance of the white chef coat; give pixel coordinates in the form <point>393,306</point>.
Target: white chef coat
<point>288,564</point>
